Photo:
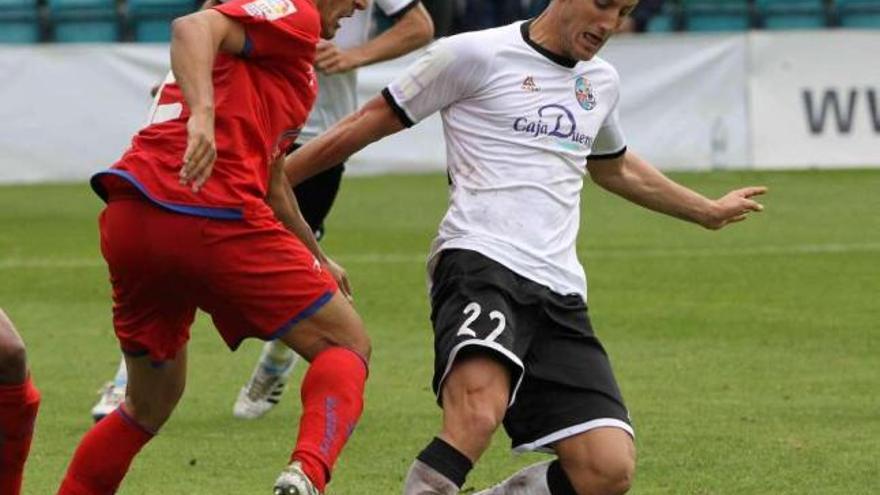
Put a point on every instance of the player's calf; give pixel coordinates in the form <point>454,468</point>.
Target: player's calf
<point>335,342</point>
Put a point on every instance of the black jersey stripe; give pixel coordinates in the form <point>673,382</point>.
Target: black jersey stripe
<point>398,110</point>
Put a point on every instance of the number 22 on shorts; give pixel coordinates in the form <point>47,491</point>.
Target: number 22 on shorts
<point>473,310</point>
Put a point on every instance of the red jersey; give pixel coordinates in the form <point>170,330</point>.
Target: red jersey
<point>261,98</point>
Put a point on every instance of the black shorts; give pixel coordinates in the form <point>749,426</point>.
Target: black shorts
<point>562,383</point>
<point>316,195</point>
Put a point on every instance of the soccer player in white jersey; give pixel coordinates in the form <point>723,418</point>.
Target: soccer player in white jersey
<point>336,62</point>
<point>528,111</point>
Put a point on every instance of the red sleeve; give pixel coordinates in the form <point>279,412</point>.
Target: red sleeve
<point>276,29</point>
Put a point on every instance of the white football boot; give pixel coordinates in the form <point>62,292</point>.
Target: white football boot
<point>293,481</point>
<point>112,396</point>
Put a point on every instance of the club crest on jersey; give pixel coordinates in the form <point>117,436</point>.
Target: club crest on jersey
<point>583,91</point>
<point>269,9</point>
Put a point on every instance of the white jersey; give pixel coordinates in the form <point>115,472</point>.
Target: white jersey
<point>519,124</point>
<point>337,93</point>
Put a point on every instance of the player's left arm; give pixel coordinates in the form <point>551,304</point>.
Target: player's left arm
<point>636,180</point>
<point>283,202</point>
<point>411,30</point>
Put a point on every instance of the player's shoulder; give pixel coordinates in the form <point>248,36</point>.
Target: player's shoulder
<point>395,7</point>
<point>602,69</point>
<point>473,47</point>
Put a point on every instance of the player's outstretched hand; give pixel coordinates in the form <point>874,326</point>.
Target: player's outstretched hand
<point>201,150</point>
<point>734,207</point>
<point>341,277</point>
<point>329,59</point>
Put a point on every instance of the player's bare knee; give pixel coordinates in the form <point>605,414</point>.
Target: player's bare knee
<point>607,474</point>
<point>13,357</point>
<point>13,362</point>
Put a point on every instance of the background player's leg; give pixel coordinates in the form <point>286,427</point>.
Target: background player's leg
<point>475,396</point>
<point>335,342</point>
<point>113,394</point>
<point>267,382</point>
<point>105,453</point>
<point>19,402</point>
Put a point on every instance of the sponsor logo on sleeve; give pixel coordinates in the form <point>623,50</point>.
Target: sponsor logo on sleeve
<point>269,9</point>
<point>583,91</point>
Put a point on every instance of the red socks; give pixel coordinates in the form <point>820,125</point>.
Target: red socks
<point>103,455</point>
<point>333,398</point>
<point>18,410</point>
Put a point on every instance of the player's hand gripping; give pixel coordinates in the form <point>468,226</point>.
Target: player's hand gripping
<point>201,150</point>
<point>734,207</point>
<point>329,59</point>
<point>341,277</point>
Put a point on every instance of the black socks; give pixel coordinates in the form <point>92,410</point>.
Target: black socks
<point>557,480</point>
<point>448,461</point>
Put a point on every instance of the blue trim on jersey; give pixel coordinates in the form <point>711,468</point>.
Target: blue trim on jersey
<point>219,213</point>
<point>248,47</point>
<point>309,311</point>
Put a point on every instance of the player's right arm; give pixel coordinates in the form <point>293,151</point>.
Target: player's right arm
<point>449,70</point>
<point>195,41</point>
<point>372,122</point>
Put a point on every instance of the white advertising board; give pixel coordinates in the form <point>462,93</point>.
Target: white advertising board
<point>815,99</point>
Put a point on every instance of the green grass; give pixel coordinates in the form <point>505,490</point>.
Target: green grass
<point>750,357</point>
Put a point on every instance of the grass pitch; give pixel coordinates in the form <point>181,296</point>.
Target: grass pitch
<point>750,357</point>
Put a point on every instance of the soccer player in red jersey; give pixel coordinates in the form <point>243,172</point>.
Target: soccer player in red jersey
<point>196,218</point>
<point>19,401</point>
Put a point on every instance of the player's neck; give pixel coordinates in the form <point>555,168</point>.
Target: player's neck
<point>543,34</point>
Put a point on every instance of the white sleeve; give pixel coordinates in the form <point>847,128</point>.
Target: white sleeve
<point>393,8</point>
<point>609,142</point>
<point>451,69</point>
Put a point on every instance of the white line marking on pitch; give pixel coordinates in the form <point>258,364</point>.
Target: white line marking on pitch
<point>403,258</point>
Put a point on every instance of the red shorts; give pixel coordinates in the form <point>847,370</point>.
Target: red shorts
<point>253,277</point>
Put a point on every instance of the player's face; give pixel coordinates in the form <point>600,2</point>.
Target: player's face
<point>332,11</point>
<point>587,24</point>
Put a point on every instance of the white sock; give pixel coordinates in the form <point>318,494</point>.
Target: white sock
<point>276,356</point>
<point>422,479</point>
<point>121,378</point>
<point>530,480</point>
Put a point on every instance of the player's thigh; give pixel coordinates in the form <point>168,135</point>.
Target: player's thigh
<point>336,323</point>
<point>599,457</point>
<point>476,389</point>
<point>474,314</point>
<point>276,289</point>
